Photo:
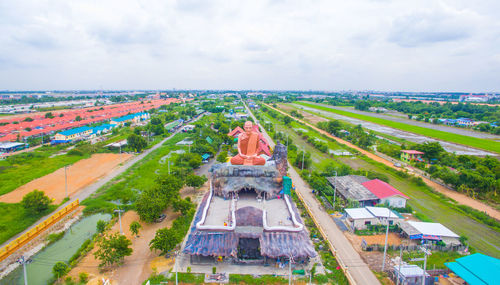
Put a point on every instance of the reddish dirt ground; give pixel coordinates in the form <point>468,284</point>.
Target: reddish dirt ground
<point>307,116</point>
<point>80,175</point>
<point>460,198</point>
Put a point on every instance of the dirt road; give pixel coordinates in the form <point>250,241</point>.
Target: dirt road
<point>80,175</point>
<point>344,251</point>
<point>460,198</point>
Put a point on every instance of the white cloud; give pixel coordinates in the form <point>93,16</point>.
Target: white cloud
<point>289,44</point>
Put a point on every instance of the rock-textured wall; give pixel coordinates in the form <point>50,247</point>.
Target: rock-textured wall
<point>227,179</point>
<point>280,158</point>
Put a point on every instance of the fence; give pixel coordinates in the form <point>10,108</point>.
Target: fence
<point>34,232</point>
<point>411,247</point>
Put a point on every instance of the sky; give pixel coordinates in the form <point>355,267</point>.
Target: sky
<point>331,45</point>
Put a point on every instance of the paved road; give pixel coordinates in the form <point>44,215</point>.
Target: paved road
<point>344,251</point>
<point>403,134</point>
<point>459,197</point>
<point>87,191</point>
<point>404,119</point>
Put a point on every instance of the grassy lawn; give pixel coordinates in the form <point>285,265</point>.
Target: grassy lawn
<point>445,136</point>
<point>124,188</point>
<point>14,219</point>
<point>436,260</point>
<point>481,237</point>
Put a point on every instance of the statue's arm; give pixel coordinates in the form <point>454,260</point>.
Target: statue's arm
<point>241,136</point>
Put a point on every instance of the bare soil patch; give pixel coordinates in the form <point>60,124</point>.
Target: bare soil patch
<point>307,116</point>
<point>137,267</point>
<point>80,175</point>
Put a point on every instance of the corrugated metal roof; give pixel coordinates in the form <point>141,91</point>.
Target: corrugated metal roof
<point>476,269</point>
<point>435,229</point>
<point>382,189</point>
<point>75,131</point>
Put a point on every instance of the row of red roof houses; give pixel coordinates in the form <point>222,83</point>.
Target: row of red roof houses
<point>41,125</point>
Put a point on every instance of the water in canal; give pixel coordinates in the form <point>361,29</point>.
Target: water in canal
<point>40,270</point>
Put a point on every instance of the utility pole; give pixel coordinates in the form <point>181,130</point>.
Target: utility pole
<point>386,237</point>
<point>334,189</point>
<point>303,154</point>
<point>23,262</point>
<point>120,219</point>
<point>66,180</point>
<point>175,267</point>
<point>168,164</point>
<point>426,252</point>
<point>290,270</point>
<point>400,261</point>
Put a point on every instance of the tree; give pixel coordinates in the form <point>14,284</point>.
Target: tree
<point>287,120</point>
<point>113,249</point>
<point>222,157</point>
<point>134,227</point>
<point>136,142</point>
<point>78,118</point>
<point>49,115</point>
<point>101,226</point>
<point>28,119</point>
<point>183,206</point>
<point>165,240</point>
<point>150,205</point>
<point>60,269</point>
<point>35,202</point>
<point>195,181</point>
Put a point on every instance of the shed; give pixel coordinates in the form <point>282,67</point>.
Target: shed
<point>476,269</point>
<point>411,274</point>
<point>205,157</point>
<point>350,188</point>
<point>430,232</point>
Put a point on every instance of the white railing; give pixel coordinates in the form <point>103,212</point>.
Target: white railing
<point>297,226</point>
<point>232,224</point>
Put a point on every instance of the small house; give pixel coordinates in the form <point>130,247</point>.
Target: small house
<point>71,135</point>
<point>411,155</point>
<point>361,218</point>
<point>386,193</point>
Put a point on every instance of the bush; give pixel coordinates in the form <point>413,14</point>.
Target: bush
<point>60,269</point>
<point>214,270</point>
<point>35,202</point>
<point>84,277</point>
<point>75,152</point>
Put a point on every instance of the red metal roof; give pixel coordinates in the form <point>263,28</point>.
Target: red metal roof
<point>411,151</point>
<point>382,189</point>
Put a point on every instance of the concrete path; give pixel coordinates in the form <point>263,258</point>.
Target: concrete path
<point>87,191</point>
<point>344,251</point>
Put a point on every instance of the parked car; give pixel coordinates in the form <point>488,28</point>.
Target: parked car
<point>160,218</point>
<point>397,164</point>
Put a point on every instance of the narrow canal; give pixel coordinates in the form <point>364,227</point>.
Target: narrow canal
<point>40,270</point>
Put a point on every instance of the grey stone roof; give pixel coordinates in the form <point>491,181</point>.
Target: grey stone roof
<point>351,188</point>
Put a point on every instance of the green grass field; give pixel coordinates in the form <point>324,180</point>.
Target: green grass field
<point>14,219</point>
<point>25,167</point>
<point>481,237</point>
<point>142,175</point>
<point>445,136</point>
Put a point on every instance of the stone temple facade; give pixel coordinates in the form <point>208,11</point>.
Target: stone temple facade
<point>249,217</point>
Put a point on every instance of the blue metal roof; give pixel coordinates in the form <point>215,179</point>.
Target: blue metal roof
<point>129,117</point>
<point>205,156</point>
<point>476,269</point>
<point>75,131</point>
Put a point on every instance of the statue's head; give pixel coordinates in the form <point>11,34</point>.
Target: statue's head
<point>248,126</point>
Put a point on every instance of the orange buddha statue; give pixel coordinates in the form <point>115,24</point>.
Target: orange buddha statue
<point>248,147</point>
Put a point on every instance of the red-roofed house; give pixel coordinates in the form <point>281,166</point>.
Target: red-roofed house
<point>408,155</point>
<point>386,193</point>
<point>236,132</point>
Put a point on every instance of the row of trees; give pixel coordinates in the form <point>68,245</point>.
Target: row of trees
<point>473,175</point>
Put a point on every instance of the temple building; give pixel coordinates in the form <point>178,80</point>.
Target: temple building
<point>248,217</point>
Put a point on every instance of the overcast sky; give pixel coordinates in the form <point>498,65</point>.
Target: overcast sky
<point>406,45</point>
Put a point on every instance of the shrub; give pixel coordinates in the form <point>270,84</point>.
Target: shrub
<point>214,270</point>
<point>35,202</point>
<point>84,277</point>
<point>75,152</point>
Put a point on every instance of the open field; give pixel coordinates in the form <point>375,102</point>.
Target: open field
<point>481,237</point>
<point>80,175</point>
<point>23,168</point>
<point>445,136</point>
